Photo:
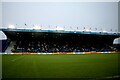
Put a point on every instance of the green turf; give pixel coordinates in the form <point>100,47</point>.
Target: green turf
<point>0,66</point>
<point>60,66</point>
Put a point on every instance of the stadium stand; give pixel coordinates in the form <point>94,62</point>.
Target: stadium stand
<point>38,46</point>
<point>117,46</point>
<point>4,42</point>
<point>48,42</point>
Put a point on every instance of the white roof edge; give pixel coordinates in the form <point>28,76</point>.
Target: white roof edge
<point>116,41</point>
<point>2,36</point>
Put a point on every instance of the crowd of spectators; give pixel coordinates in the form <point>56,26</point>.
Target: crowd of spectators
<point>59,46</point>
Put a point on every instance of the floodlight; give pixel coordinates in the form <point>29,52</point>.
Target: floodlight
<point>88,30</point>
<point>11,26</point>
<point>37,27</point>
<point>59,28</point>
<point>104,31</point>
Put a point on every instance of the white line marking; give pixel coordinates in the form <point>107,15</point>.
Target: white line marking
<point>17,58</point>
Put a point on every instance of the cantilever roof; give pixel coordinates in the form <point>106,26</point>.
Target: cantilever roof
<point>62,31</point>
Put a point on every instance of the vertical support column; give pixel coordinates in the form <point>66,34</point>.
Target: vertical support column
<point>0,41</point>
<point>119,19</point>
<point>118,31</point>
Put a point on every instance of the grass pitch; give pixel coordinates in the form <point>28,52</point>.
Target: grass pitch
<point>60,66</point>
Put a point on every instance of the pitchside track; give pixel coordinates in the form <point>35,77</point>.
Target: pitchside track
<point>60,66</point>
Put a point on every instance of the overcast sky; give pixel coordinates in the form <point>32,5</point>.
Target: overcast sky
<point>100,15</point>
<point>60,0</point>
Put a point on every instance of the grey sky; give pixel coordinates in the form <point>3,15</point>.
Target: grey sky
<point>0,14</point>
<point>60,0</point>
<point>101,15</point>
<point>119,19</point>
